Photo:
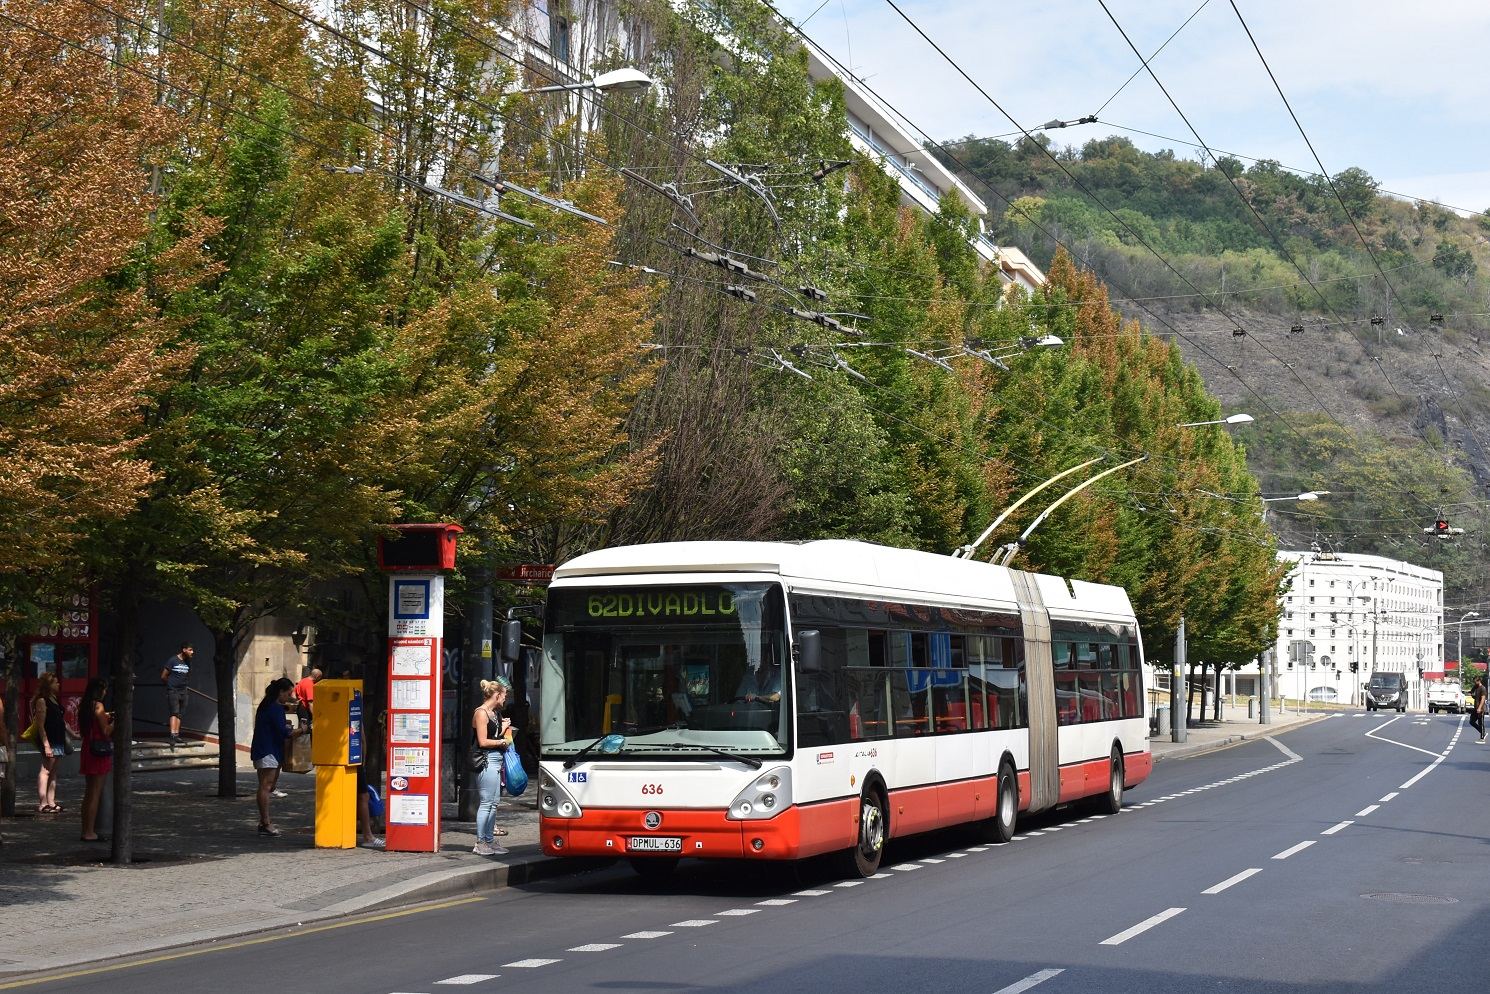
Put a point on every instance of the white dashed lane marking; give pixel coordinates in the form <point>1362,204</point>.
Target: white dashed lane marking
<point>1337,828</point>
<point>646,935</point>
<point>1367,810</point>
<point>1232,881</point>
<point>737,912</point>
<point>695,923</point>
<point>1295,849</point>
<point>468,978</point>
<point>1028,982</point>
<point>531,964</point>
<point>595,947</point>
<point>1388,797</point>
<point>812,893</point>
<point>781,902</point>
<point>1141,927</point>
<point>848,883</point>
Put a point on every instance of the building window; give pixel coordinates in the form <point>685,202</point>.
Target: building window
<point>558,38</point>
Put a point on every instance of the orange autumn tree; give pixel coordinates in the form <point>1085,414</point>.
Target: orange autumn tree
<point>77,352</point>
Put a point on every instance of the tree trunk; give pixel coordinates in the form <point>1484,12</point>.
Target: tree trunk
<point>124,702</point>
<point>224,670</point>
<point>1190,696</point>
<point>1217,714</point>
<point>9,715</point>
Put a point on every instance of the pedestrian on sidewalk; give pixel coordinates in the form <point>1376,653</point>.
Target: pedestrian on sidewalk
<point>1477,708</point>
<point>97,759</point>
<point>493,736</point>
<point>176,674</point>
<point>305,695</point>
<point>46,711</point>
<point>272,732</point>
<point>7,752</point>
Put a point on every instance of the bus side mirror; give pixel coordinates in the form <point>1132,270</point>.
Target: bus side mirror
<point>512,640</point>
<point>809,651</point>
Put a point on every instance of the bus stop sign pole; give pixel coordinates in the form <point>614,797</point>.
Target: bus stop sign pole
<point>415,561</point>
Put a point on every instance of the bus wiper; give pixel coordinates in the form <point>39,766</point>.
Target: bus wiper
<point>617,742</point>
<point>749,761</point>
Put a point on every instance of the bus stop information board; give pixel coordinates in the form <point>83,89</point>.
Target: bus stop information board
<point>416,629</point>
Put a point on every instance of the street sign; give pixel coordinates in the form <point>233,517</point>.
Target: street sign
<point>536,573</point>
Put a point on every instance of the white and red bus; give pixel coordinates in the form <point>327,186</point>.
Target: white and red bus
<point>765,700</point>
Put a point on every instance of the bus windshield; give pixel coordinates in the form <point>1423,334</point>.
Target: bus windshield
<point>677,669</point>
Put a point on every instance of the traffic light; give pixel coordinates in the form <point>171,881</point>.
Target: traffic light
<point>1441,527</point>
<point>1355,667</point>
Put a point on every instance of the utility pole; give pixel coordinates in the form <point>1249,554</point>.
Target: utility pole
<point>1264,711</point>
<point>1177,687</point>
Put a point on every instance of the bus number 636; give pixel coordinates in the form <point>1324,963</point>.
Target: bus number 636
<point>651,788</point>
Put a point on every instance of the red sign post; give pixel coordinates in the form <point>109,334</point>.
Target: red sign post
<point>416,634</point>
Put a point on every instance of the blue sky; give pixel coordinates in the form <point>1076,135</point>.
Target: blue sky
<point>1401,90</point>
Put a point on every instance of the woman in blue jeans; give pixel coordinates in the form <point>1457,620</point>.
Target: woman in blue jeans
<point>493,737</point>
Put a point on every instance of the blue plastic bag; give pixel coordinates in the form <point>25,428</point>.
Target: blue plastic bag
<point>512,771</point>
<point>374,802</point>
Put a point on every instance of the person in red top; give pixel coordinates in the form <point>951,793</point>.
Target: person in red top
<point>305,692</point>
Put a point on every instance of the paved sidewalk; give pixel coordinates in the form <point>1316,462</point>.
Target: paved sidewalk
<point>1231,729</point>
<point>202,872</point>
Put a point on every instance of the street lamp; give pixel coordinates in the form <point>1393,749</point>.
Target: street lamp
<point>1467,614</point>
<point>1306,496</point>
<point>620,80</point>
<point>1235,419</point>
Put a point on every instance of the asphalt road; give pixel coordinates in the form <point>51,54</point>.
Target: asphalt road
<point>1348,855</point>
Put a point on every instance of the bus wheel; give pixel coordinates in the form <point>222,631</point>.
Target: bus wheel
<point>1112,801</point>
<point>654,870</point>
<point>863,859</point>
<point>1000,828</point>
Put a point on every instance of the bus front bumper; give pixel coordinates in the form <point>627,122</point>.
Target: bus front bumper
<point>703,834</point>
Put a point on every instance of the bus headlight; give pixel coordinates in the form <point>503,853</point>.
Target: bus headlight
<point>554,801</point>
<point>766,796</point>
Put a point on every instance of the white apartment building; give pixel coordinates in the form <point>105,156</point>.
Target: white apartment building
<point>1341,609</point>
<point>561,42</point>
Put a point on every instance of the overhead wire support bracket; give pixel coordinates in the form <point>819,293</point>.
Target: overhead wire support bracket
<point>934,360</point>
<point>668,190</point>
<point>504,186</point>
<point>751,183</point>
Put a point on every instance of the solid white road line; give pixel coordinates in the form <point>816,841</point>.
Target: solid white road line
<point>469,978</point>
<point>646,935</point>
<point>1367,810</point>
<point>1372,735</point>
<point>1295,849</point>
<point>1232,881</point>
<point>1028,982</point>
<point>1337,828</point>
<point>595,947</point>
<point>1295,757</point>
<point>1141,927</point>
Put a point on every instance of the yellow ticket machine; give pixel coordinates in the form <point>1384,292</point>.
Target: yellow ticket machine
<point>336,749</point>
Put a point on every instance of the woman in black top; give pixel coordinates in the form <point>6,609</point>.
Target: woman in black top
<point>52,742</point>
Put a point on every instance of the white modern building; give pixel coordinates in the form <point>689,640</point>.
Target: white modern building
<point>1345,616</point>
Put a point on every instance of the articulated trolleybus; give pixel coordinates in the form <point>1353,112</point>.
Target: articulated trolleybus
<point>776,701</point>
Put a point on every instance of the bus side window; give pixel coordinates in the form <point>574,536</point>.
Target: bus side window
<point>823,717</point>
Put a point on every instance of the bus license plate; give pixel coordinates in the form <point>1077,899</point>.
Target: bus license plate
<point>654,843</point>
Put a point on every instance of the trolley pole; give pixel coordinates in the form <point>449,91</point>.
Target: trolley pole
<point>1177,695</point>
